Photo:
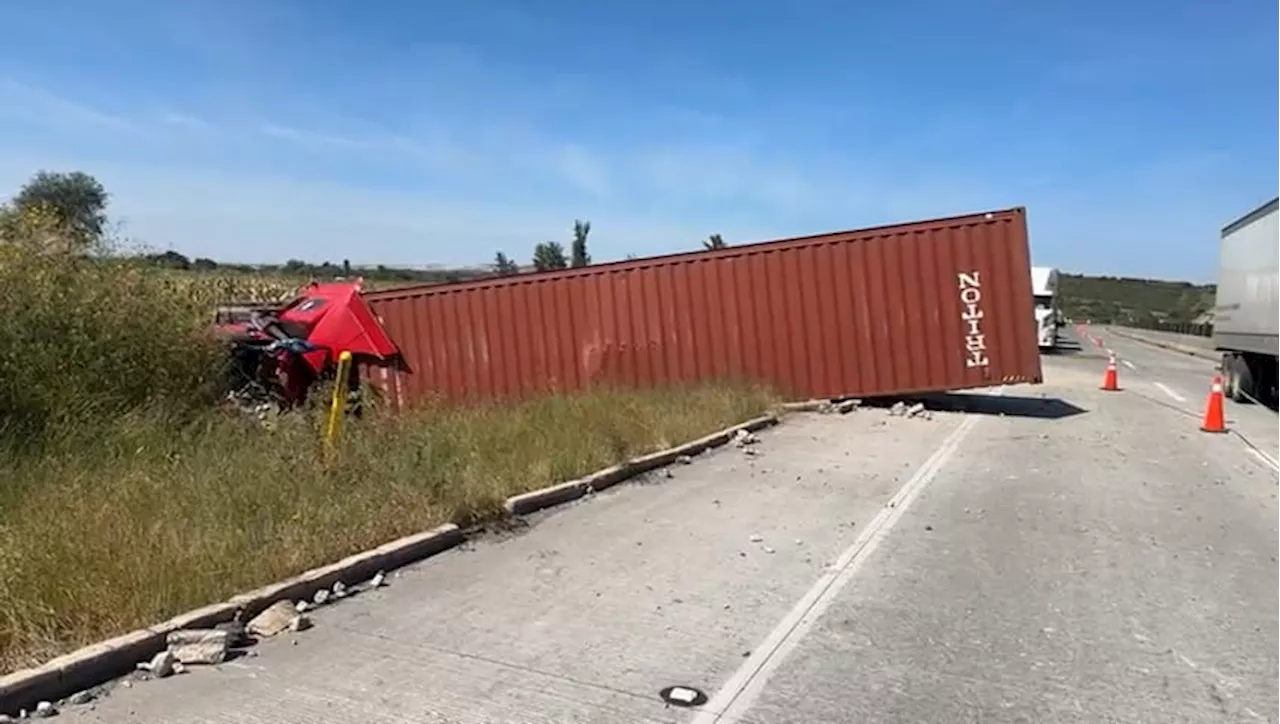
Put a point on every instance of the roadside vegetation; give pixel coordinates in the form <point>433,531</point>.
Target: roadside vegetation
<point>126,496</point>
<point>1135,302</point>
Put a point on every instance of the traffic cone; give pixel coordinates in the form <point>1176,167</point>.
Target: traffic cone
<point>1213,414</point>
<point>1110,380</point>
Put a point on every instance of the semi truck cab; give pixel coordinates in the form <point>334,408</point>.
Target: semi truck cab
<point>1044,287</point>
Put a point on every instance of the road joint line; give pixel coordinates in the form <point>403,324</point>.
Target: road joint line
<point>732,701</point>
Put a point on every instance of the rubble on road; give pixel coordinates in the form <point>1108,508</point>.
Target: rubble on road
<point>277,618</point>
<point>744,437</point>
<point>199,646</point>
<point>160,665</point>
<point>917,410</point>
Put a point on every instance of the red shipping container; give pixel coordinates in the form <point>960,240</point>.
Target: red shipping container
<point>936,305</point>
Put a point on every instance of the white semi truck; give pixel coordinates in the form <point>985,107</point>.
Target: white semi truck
<point>1247,307</point>
<point>1044,287</point>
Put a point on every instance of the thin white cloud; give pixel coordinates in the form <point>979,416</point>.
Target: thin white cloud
<point>23,102</point>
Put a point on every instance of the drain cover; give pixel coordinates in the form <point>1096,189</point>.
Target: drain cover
<point>683,696</point>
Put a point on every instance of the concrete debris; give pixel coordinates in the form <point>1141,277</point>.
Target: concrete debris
<point>321,597</point>
<point>44,710</point>
<point>756,538</point>
<point>80,698</point>
<point>160,665</point>
<point>769,550</point>
<point>6,719</point>
<point>275,619</point>
<point>237,634</point>
<point>847,406</point>
<point>199,646</point>
<point>744,437</point>
<point>899,409</point>
<point>684,459</point>
<point>750,452</point>
<point>299,623</point>
<point>379,580</point>
<point>339,589</point>
<point>666,473</point>
<point>916,410</point>
<point>302,606</point>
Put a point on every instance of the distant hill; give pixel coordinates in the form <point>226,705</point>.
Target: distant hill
<point>1137,302</point>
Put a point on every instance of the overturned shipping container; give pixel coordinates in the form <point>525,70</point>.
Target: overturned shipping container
<point>929,306</point>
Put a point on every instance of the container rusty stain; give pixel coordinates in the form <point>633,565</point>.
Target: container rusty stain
<point>944,304</point>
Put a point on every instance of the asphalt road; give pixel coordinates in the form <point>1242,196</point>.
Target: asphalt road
<point>1057,554</point>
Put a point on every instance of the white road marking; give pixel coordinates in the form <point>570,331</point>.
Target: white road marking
<point>1128,364</point>
<point>1266,459</point>
<point>1166,389</point>
<point>735,698</point>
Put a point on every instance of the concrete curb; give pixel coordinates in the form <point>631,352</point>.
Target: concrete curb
<point>1172,346</point>
<point>562,493</point>
<point>110,659</point>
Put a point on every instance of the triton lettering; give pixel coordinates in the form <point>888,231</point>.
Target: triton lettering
<point>975,342</point>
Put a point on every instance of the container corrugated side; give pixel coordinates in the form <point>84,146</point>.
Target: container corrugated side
<point>937,305</point>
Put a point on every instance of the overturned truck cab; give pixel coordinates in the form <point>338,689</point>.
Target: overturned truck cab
<point>279,352</point>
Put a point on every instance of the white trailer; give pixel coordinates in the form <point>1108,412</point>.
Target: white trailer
<point>1044,286</point>
<point>1247,309</point>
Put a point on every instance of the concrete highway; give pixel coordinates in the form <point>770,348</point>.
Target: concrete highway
<point>1053,554</point>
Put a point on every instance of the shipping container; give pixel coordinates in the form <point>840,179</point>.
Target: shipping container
<point>936,305</point>
<point>1246,315</point>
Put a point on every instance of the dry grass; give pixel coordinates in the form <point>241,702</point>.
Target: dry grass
<point>124,499</point>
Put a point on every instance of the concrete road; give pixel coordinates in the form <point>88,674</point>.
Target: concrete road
<point>1058,554</point>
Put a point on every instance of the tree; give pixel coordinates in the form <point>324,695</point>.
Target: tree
<point>549,255</point>
<point>580,255</point>
<point>715,241</point>
<point>77,200</point>
<point>504,267</point>
<point>346,268</point>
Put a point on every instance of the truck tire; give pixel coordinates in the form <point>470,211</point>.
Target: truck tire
<point>1245,391</point>
<point>1230,376</point>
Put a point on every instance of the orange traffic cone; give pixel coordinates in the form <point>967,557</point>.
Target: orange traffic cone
<point>1110,380</point>
<point>1213,415</point>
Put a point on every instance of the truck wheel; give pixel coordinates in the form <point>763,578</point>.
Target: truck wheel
<point>1245,389</point>
<point>1231,377</point>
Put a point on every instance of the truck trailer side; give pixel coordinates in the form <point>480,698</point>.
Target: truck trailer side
<point>1247,309</point>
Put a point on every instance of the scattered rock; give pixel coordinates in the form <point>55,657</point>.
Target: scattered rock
<point>80,698</point>
<point>339,589</point>
<point>916,410</point>
<point>299,623</point>
<point>750,451</point>
<point>928,527</point>
<point>769,550</point>
<point>684,459</point>
<point>379,580</point>
<point>899,409</point>
<point>744,437</point>
<point>275,619</point>
<point>6,719</point>
<point>666,473</point>
<point>199,646</point>
<point>848,406</point>
<point>321,597</point>
<point>302,606</point>
<point>160,665</point>
<point>756,538</point>
<point>44,710</point>
<point>237,634</point>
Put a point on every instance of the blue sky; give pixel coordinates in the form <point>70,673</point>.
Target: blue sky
<point>426,132</point>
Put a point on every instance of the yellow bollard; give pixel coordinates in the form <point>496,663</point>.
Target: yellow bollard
<point>339,404</point>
